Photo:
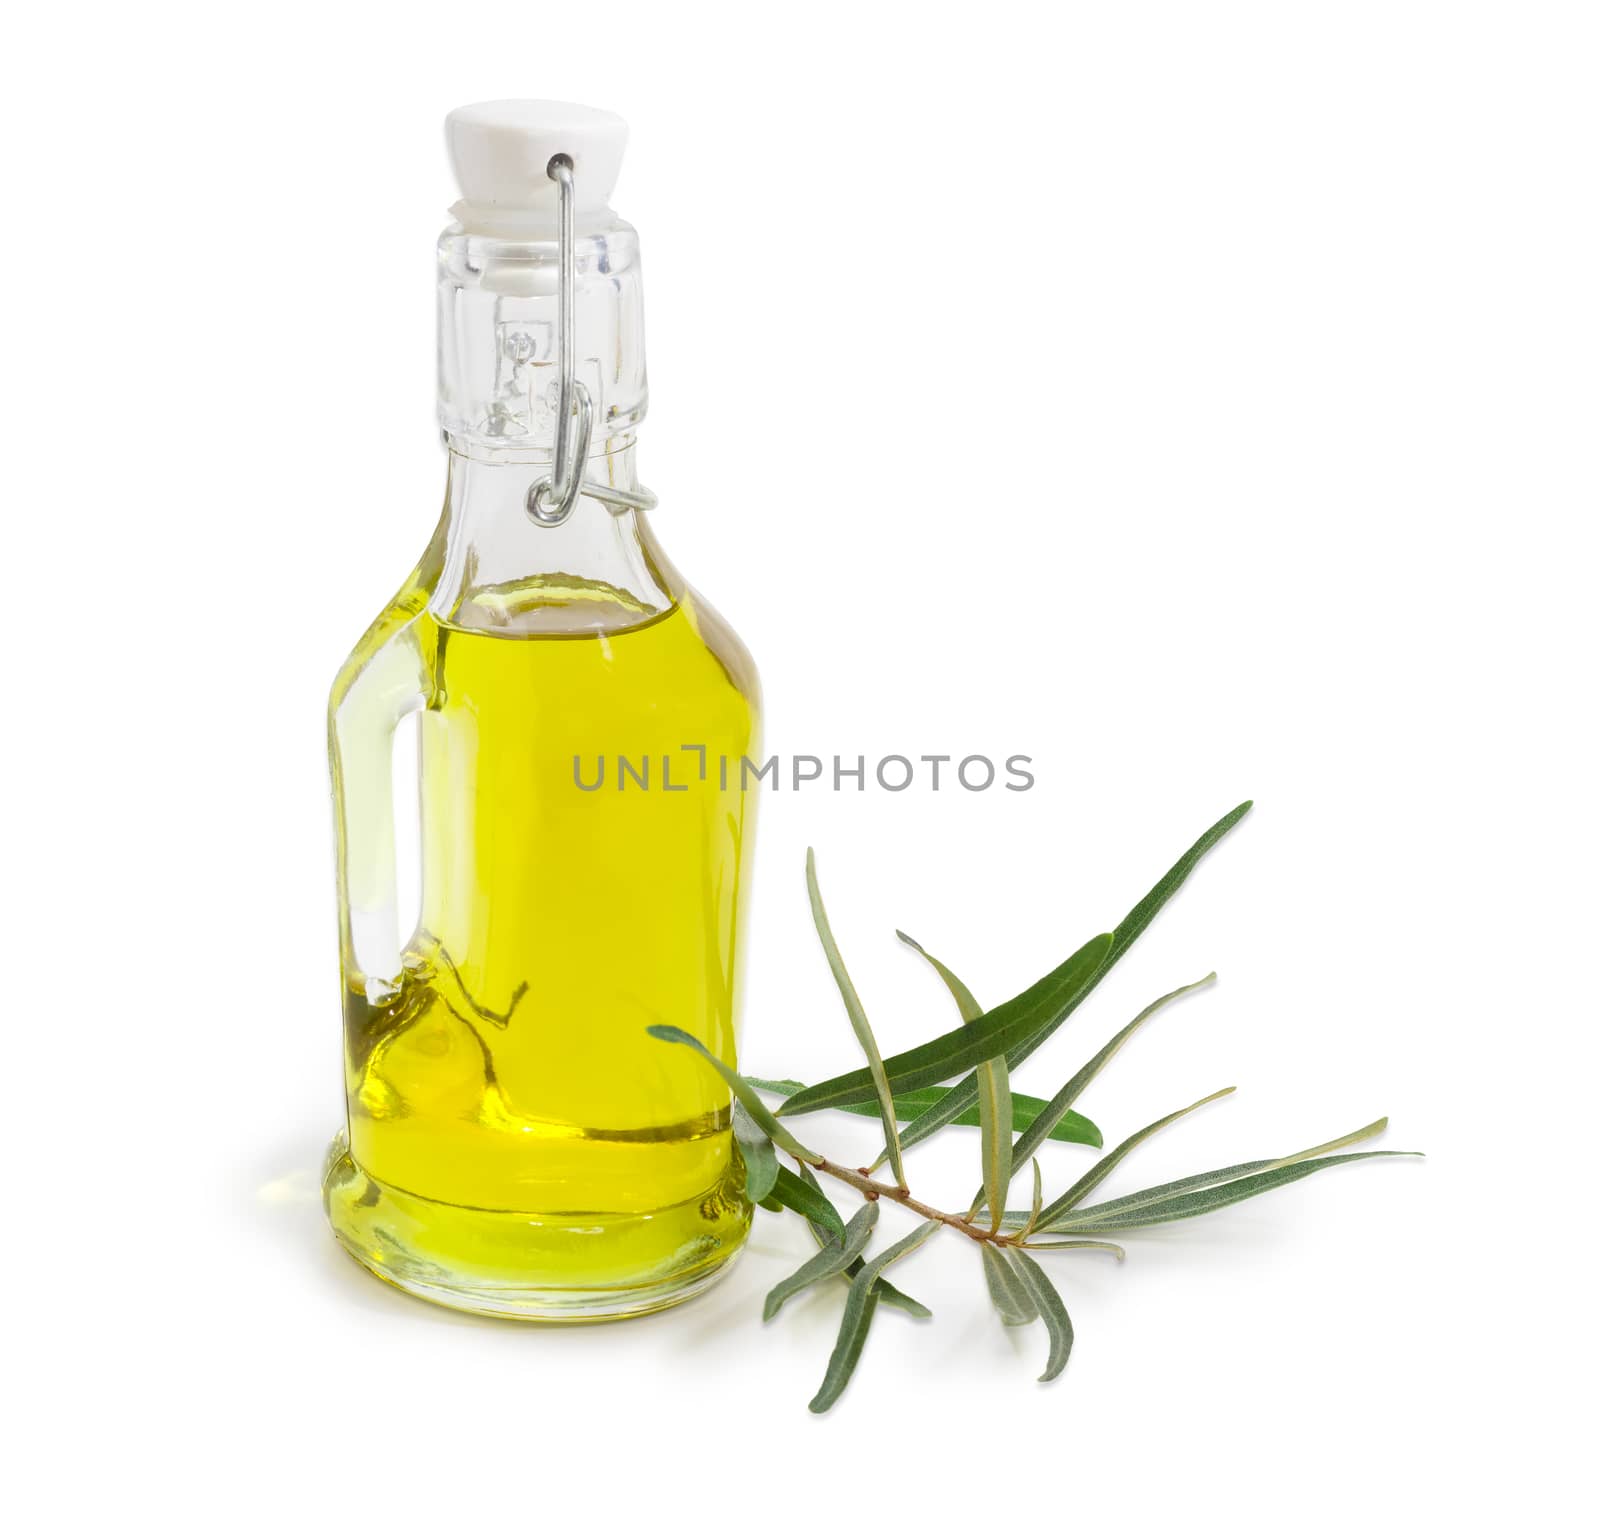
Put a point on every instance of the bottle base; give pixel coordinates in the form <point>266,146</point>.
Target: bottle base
<point>570,1268</point>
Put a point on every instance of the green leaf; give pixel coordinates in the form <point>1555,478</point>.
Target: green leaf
<point>964,1095</point>
<point>858,1020</point>
<point>1032,1137</point>
<point>1042,1123</point>
<point>832,1260</point>
<point>1016,1220</point>
<point>1102,1169</point>
<point>965,1001</point>
<point>760,1161</point>
<point>992,1034</point>
<point>1051,1308</point>
<point>994,1128</point>
<point>1006,1290</point>
<point>1038,1197</point>
<point>804,1196</point>
<point>891,1297</point>
<point>784,1086</point>
<point>1213,1176</point>
<point>1180,1207</point>
<point>858,1309</point>
<point>742,1090</point>
<point>912,1103</point>
<point>1115,1248</point>
<point>1167,886</point>
<point>908,1104</point>
<point>995,1114</point>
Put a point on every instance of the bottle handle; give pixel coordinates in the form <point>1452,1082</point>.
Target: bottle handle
<point>390,684</point>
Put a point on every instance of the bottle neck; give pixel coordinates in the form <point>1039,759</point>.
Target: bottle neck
<point>499,337</point>
<point>598,571</point>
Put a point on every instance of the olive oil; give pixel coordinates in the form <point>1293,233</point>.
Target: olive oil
<point>508,1113</point>
<point>515,1142</point>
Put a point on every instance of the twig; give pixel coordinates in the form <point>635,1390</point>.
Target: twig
<point>874,1189</point>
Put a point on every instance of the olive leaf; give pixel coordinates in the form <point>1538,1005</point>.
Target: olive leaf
<point>1139,917</point>
<point>760,1161</point>
<point>1038,1198</point>
<point>1102,1169</point>
<point>1011,1297</point>
<point>990,1118</point>
<point>858,1310</point>
<point>1051,1308</point>
<point>994,1128</point>
<point>909,1103</point>
<point>965,1001</point>
<point>1031,1138</point>
<point>1181,1207</point>
<point>802,1194</point>
<point>1042,1123</point>
<point>1038,1247</point>
<point>830,1261</point>
<point>1213,1176</point>
<point>858,1019</point>
<point>742,1090</point>
<point>994,1033</point>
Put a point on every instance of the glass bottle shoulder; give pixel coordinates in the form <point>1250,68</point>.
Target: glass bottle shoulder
<point>724,645</point>
<point>661,613</point>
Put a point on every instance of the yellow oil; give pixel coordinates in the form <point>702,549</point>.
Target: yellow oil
<point>516,1141</point>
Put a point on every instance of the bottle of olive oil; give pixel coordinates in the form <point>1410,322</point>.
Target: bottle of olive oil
<point>516,1143</point>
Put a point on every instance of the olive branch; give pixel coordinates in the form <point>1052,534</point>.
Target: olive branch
<point>906,1093</point>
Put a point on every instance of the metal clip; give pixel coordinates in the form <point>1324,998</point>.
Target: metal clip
<point>550,501</point>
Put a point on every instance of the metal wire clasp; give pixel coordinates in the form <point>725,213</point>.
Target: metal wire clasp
<point>550,500</point>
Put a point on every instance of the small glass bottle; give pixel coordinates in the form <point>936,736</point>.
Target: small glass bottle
<point>516,1143</point>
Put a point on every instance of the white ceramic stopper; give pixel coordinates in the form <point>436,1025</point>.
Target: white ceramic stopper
<point>500,152</point>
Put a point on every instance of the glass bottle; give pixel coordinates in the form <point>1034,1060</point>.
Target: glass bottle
<point>516,1144</point>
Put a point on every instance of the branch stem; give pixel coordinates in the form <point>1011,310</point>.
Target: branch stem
<point>875,1189</point>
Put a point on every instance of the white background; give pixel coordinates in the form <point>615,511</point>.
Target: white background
<point>1200,399</point>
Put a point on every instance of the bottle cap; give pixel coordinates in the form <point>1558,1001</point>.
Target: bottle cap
<point>499,273</point>
<point>500,152</point>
